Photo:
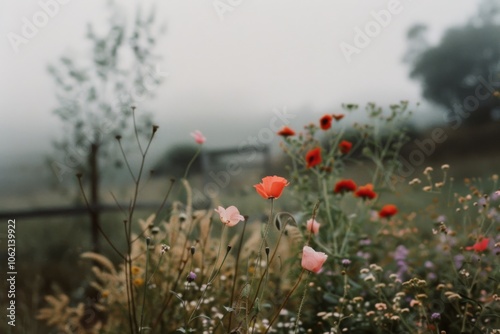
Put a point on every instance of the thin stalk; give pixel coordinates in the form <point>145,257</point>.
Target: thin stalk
<point>98,226</point>
<point>302,303</point>
<point>329,215</point>
<point>191,162</point>
<point>209,283</point>
<point>236,270</point>
<point>285,301</point>
<point>145,287</point>
<point>259,254</point>
<point>136,132</point>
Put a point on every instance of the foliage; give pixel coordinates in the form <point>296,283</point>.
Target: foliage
<point>386,263</point>
<point>93,93</point>
<point>461,72</point>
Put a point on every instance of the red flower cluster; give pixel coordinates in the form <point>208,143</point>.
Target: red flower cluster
<point>388,211</point>
<point>345,146</point>
<point>366,192</point>
<point>313,157</point>
<point>286,132</point>
<point>344,186</point>
<point>325,122</point>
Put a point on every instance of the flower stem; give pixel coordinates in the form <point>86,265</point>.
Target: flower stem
<point>191,162</point>
<point>276,315</point>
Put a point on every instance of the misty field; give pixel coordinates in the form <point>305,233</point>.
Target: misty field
<point>336,241</point>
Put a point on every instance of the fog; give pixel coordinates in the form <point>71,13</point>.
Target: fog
<point>228,67</point>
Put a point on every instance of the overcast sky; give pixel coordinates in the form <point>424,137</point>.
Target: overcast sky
<point>227,70</point>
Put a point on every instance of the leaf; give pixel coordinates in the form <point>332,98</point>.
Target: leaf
<point>283,219</point>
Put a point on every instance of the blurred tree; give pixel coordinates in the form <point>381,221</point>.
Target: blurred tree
<point>462,72</point>
<point>96,93</point>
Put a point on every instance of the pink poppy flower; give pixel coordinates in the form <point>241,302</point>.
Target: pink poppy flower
<point>230,216</point>
<point>312,226</point>
<point>312,260</point>
<point>198,137</point>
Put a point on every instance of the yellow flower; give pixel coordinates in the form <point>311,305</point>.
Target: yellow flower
<point>135,270</point>
<point>105,294</point>
<point>138,282</point>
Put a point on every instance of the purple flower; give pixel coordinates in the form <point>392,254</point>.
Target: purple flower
<point>495,195</point>
<point>459,260</point>
<point>191,277</point>
<point>441,219</point>
<point>400,256</point>
<point>365,242</point>
<point>401,253</point>
<point>346,263</point>
<point>435,316</point>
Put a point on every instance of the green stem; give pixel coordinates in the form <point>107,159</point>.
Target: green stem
<point>191,162</point>
<point>329,215</point>
<point>277,313</point>
<point>145,287</point>
<point>302,303</point>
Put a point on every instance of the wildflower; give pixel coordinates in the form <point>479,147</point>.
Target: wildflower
<point>428,170</point>
<point>271,186</point>
<point>191,277</point>
<point>312,226</point>
<point>346,263</point>
<point>415,302</point>
<point>415,181</point>
<point>286,132</point>
<point>435,316</point>
<point>135,270</point>
<point>344,186</point>
<point>345,146</point>
<point>138,282</point>
<point>164,248</point>
<point>444,167</point>
<point>312,260</point>
<point>366,192</point>
<point>388,211</point>
<point>480,246</point>
<point>325,122</point>
<point>313,157</point>
<point>198,137</point>
<point>230,216</point>
<point>338,117</point>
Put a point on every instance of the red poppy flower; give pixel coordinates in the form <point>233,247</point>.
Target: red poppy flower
<point>480,246</point>
<point>286,132</point>
<point>388,211</point>
<point>366,192</point>
<point>313,157</point>
<point>345,146</point>
<point>325,122</point>
<point>338,117</point>
<point>271,186</point>
<point>344,186</point>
